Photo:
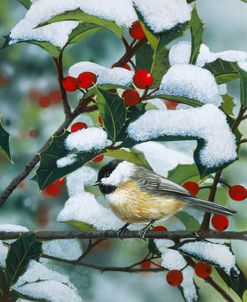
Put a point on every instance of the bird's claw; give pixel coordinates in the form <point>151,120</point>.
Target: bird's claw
<point>142,233</point>
<point>122,230</point>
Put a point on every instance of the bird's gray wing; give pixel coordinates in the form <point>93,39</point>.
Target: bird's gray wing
<point>153,183</point>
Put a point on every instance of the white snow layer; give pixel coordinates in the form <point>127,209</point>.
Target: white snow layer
<point>116,75</point>
<point>3,254</point>
<point>12,228</point>
<point>206,122</point>
<point>66,161</point>
<point>85,208</point>
<point>86,140</point>
<point>191,81</point>
<point>68,249</point>
<point>80,178</point>
<point>154,151</point>
<point>162,15</point>
<point>40,282</point>
<point>159,15</point>
<point>217,254</point>
<point>180,54</point>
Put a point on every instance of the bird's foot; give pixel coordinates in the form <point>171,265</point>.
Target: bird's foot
<point>142,232</point>
<point>122,230</point>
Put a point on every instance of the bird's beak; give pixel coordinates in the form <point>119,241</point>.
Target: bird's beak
<point>96,183</point>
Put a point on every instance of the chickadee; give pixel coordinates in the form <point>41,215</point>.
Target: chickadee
<point>137,195</point>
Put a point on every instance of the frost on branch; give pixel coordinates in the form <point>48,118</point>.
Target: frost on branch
<point>39,282</point>
<point>117,75</point>
<point>68,249</point>
<point>207,124</point>
<point>217,254</point>
<point>192,82</point>
<point>3,254</point>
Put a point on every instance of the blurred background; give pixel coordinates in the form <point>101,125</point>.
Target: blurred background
<point>31,106</point>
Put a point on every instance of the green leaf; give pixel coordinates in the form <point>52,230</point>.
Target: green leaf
<point>196,29</point>
<point>26,3</point>
<point>235,281</point>
<point>82,31</point>
<point>178,99</point>
<point>183,173</point>
<point>228,104</point>
<point>79,15</point>
<point>190,223</point>
<point>160,65</point>
<point>24,249</point>
<point>223,71</point>
<point>3,281</point>
<point>133,156</point>
<point>153,248</point>
<point>48,171</point>
<point>144,57</point>
<point>4,140</point>
<point>243,86</point>
<point>113,112</point>
<point>94,90</point>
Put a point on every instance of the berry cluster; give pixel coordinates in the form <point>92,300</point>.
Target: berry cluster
<point>219,222</point>
<point>84,81</point>
<point>54,188</point>
<point>44,101</point>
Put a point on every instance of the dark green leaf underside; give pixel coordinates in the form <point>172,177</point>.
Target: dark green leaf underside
<point>4,140</point>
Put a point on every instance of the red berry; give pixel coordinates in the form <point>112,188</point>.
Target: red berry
<point>55,96</point>
<point>70,84</point>
<point>78,126</point>
<point>136,31</point>
<point>203,270</point>
<point>171,104</point>
<point>22,185</point>
<point>33,133</point>
<point>143,79</point>
<point>100,120</point>
<point>131,97</point>
<point>53,189</point>
<point>60,182</point>
<point>220,222</point>
<point>86,79</point>
<point>160,228</point>
<point>43,216</point>
<point>44,101</point>
<point>3,80</point>
<point>174,277</point>
<point>98,158</point>
<point>126,66</point>
<point>237,192</point>
<point>145,264</point>
<point>192,187</point>
<point>34,94</point>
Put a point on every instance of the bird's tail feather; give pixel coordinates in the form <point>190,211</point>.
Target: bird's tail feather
<point>208,206</point>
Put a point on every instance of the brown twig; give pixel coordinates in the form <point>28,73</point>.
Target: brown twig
<point>172,235</point>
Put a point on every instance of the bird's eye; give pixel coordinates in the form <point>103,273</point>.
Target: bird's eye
<point>107,174</point>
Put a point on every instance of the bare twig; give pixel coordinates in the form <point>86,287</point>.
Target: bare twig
<point>173,235</point>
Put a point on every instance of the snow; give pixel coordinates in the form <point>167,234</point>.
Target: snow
<point>180,54</point>
<point>86,140</point>
<point>85,208</point>
<point>217,254</point>
<point>188,285</point>
<point>3,254</point>
<point>68,249</point>
<point>12,228</point>
<point>162,15</point>
<point>116,75</point>
<point>121,173</point>
<point>171,259</point>
<point>80,178</point>
<point>191,81</point>
<point>42,283</point>
<point>66,161</point>
<point>207,123</point>
<point>154,151</point>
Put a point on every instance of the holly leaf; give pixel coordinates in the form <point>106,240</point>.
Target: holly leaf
<point>178,99</point>
<point>243,86</point>
<point>228,104</point>
<point>82,31</point>
<point>4,140</point>
<point>26,3</point>
<point>79,15</point>
<point>113,113</point>
<point>160,66</point>
<point>153,248</point>
<point>133,156</point>
<point>190,223</point>
<point>196,29</point>
<point>182,173</point>
<point>48,170</point>
<point>144,57</point>
<point>21,251</point>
